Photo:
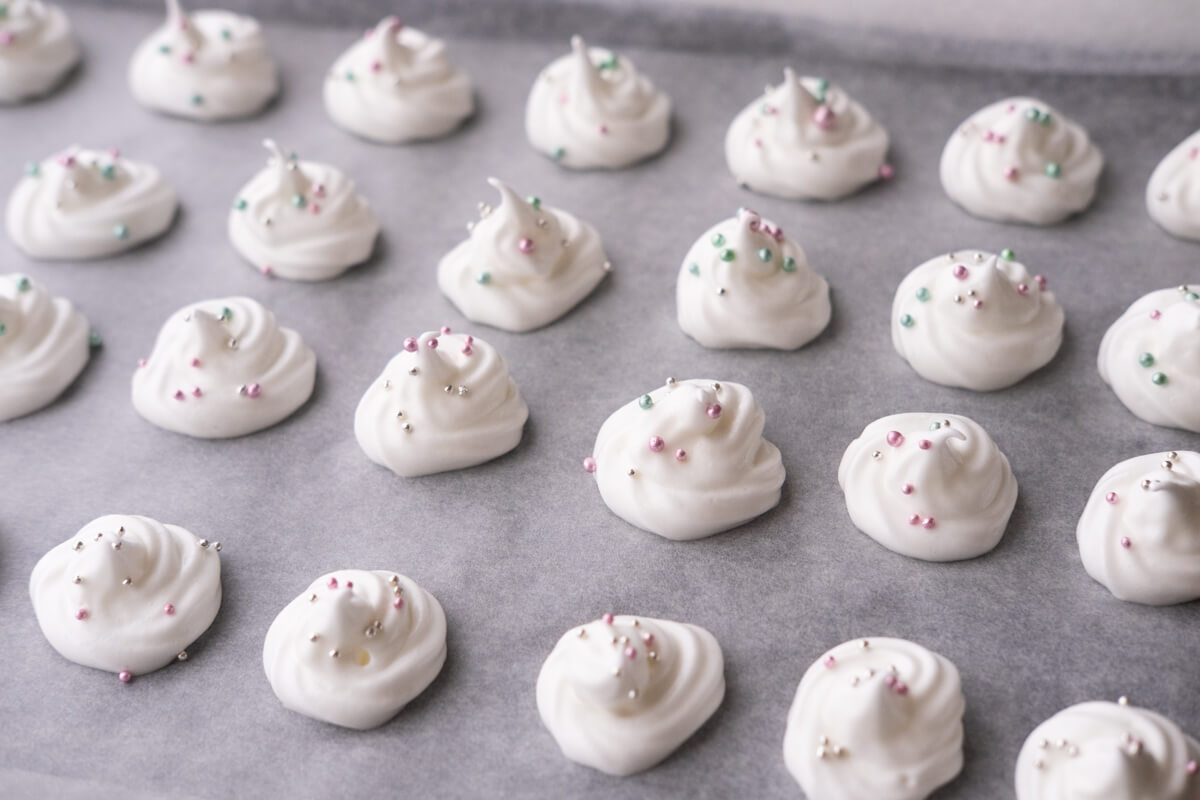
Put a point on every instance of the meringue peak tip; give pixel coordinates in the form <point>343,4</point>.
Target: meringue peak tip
<point>578,44</point>
<point>789,75</point>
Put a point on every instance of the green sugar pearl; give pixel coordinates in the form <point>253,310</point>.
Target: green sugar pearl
<point>558,153</point>
<point>121,231</point>
<point>24,284</point>
<point>484,278</point>
<point>1045,120</point>
<point>1191,296</point>
<point>1159,379</point>
<point>923,294</point>
<point>226,34</point>
<point>1007,254</point>
<point>1032,114</point>
<point>95,340</point>
<point>349,76</point>
<point>3,329</point>
<point>165,49</point>
<point>694,268</point>
<point>33,169</point>
<point>536,202</point>
<point>645,401</point>
<point>108,172</point>
<point>226,314</point>
<point>1053,170</point>
<point>727,255</point>
<point>718,240</point>
<point>298,201</point>
<point>935,426</point>
<point>789,264</point>
<point>764,255</point>
<point>907,321</point>
<point>197,99</point>
<point>240,204</point>
<point>1146,359</point>
<point>3,10</point>
<point>608,63</point>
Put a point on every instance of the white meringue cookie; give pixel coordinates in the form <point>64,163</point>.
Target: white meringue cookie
<point>44,345</point>
<point>397,84</point>
<point>302,220</point>
<point>687,460</point>
<point>592,109</point>
<point>805,139</point>
<point>1151,357</point>
<point>446,401</point>
<point>355,647</point>
<point>223,368</point>
<point>1139,534</point>
<point>877,719</point>
<point>1019,160</point>
<point>524,265</point>
<point>1173,193</point>
<point>208,65</point>
<point>37,49</point>
<point>929,486</point>
<point>622,693</point>
<point>744,284</point>
<point>1108,751</point>
<point>127,594</point>
<point>975,320</point>
<point>84,204</point>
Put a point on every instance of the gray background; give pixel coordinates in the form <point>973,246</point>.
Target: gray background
<point>521,549</point>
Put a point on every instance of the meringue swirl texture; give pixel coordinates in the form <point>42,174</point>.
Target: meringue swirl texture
<point>687,460</point>
<point>1151,357</point>
<point>1139,534</point>
<point>592,109</point>
<point>1173,192</point>
<point>83,204</point>
<point>301,219</point>
<point>975,320</point>
<point>207,66</point>
<point>744,284</point>
<point>805,139</point>
<point>127,594</point>
<point>928,486</point>
<point>355,647</point>
<point>1020,160</point>
<point>37,49</point>
<point>43,346</point>
<point>223,368</point>
<point>396,85</point>
<point>524,265</point>
<point>622,693</point>
<point>446,401</point>
<point>1108,751</point>
<point>876,719</point>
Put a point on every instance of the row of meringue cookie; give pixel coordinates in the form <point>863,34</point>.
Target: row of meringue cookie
<point>619,694</point>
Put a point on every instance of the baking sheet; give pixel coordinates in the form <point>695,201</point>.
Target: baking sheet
<point>523,548</point>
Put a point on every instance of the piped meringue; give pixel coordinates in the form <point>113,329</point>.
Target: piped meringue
<point>1151,357</point>
<point>127,594</point>
<point>621,693</point>
<point>929,486</point>
<point>524,265</point>
<point>395,85</point>
<point>1020,160</point>
<point>592,109</point>
<point>355,647</point>
<point>43,346</point>
<point>1139,534</point>
<point>1113,751</point>
<point>301,219</point>
<point>745,284</point>
<point>687,460</point>
<point>207,65</point>
<point>1173,192</point>
<point>806,139</point>
<point>83,204</point>
<point>975,320</point>
<point>37,49</point>
<point>876,718</point>
<point>446,401</point>
<point>223,368</point>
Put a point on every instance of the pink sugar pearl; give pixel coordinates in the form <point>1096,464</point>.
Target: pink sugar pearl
<point>924,444</point>
<point>607,619</point>
<point>525,245</point>
<point>124,676</point>
<point>961,272</point>
<point>398,602</point>
<point>445,329</point>
<point>929,524</point>
<point>410,344</point>
<point>630,653</point>
<point>681,454</point>
<point>432,343</point>
<point>895,438</point>
<point>656,444</point>
<point>589,464</point>
<point>1010,173</point>
<point>915,519</point>
<point>1112,498</point>
<point>253,390</point>
<point>829,662</point>
<point>82,614</point>
<point>887,172</point>
<point>1126,543</point>
<point>906,488</point>
<point>713,410</point>
<point>169,610</point>
<point>333,583</point>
